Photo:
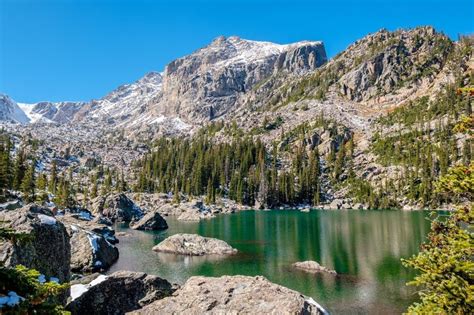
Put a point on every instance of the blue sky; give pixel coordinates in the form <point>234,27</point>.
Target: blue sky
<point>82,49</point>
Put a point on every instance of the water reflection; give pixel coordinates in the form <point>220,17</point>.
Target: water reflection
<point>364,247</point>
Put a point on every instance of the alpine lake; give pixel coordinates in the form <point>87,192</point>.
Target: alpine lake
<point>364,247</point>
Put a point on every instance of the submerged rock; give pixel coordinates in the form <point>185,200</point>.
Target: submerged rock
<point>150,221</point>
<point>312,266</point>
<point>194,245</point>
<point>46,247</point>
<point>233,295</point>
<point>118,293</point>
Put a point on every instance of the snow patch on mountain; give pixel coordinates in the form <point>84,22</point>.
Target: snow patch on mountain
<point>33,116</point>
<point>11,112</point>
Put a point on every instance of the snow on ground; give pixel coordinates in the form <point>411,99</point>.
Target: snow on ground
<point>11,299</point>
<point>84,215</point>
<point>33,117</point>
<point>8,203</point>
<point>78,289</point>
<point>319,307</point>
<point>46,219</point>
<point>93,240</point>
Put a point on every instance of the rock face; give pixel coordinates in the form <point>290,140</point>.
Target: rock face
<point>209,82</point>
<point>91,245</point>
<point>47,249</point>
<point>150,221</point>
<point>118,293</point>
<point>48,112</point>
<point>10,111</point>
<point>312,266</point>
<point>194,245</point>
<point>385,62</point>
<point>233,295</point>
<point>117,207</point>
<point>125,105</point>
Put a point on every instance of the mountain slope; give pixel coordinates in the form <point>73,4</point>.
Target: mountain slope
<point>49,112</point>
<point>11,112</point>
<point>210,82</point>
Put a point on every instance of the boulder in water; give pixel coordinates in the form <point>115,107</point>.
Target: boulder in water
<point>116,207</point>
<point>151,221</point>
<point>312,266</point>
<point>194,245</point>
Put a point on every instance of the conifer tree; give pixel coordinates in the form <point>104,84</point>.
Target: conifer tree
<point>19,170</point>
<point>28,184</point>
<point>53,178</point>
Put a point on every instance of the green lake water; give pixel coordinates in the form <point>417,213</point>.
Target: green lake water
<point>364,247</point>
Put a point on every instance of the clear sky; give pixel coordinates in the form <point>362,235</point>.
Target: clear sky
<point>82,49</point>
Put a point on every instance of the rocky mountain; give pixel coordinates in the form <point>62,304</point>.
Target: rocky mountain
<point>11,112</point>
<point>126,106</point>
<point>49,112</point>
<point>202,86</point>
<point>382,87</point>
<point>211,82</point>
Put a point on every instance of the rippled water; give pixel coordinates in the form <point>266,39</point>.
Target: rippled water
<point>364,247</point>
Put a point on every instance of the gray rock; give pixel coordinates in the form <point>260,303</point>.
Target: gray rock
<point>118,293</point>
<point>92,246</point>
<point>11,204</point>
<point>116,207</point>
<point>312,266</point>
<point>195,215</point>
<point>233,295</point>
<point>335,204</point>
<point>210,82</point>
<point>194,245</point>
<point>47,248</point>
<point>150,221</point>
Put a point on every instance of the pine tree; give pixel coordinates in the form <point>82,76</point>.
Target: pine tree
<point>28,184</point>
<point>94,188</point>
<point>53,178</point>
<point>19,170</point>
<point>176,198</point>
<point>339,163</point>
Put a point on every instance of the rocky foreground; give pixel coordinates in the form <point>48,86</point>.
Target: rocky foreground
<point>233,295</point>
<point>58,243</point>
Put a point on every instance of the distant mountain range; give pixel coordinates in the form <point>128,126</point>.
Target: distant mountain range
<point>204,85</point>
<point>390,98</point>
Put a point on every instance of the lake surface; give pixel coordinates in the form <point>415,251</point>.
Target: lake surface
<point>364,247</point>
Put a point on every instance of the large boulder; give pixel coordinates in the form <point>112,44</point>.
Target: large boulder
<point>118,293</point>
<point>46,247</point>
<point>312,266</point>
<point>92,246</point>
<point>194,245</point>
<point>117,207</point>
<point>233,295</point>
<point>91,225</point>
<point>150,221</point>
